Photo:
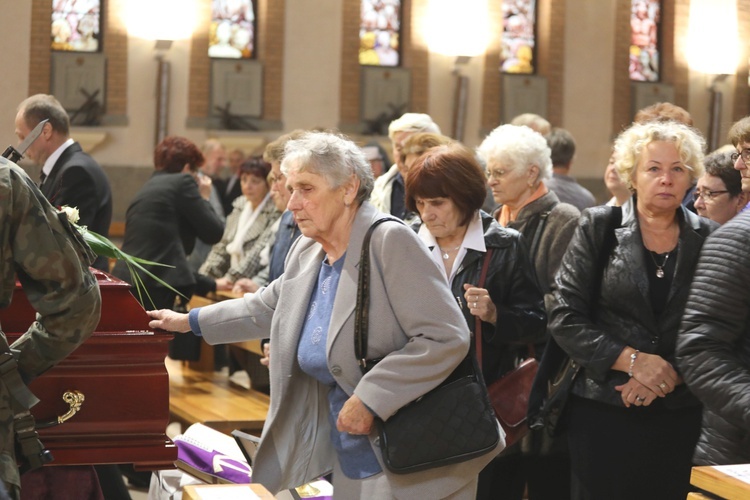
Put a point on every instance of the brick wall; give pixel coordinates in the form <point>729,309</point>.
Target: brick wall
<point>115,46</point>
<point>674,66</point>
<point>116,51</point>
<point>551,55</point>
<point>270,51</point>
<point>621,90</point>
<point>550,61</point>
<point>414,54</point>
<point>199,85</point>
<point>39,58</point>
<point>491,81</point>
<point>349,96</point>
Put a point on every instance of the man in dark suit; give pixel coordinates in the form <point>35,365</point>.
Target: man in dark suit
<point>230,187</point>
<point>69,176</point>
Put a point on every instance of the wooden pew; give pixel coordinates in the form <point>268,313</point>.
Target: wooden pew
<point>212,400</point>
<point>248,352</point>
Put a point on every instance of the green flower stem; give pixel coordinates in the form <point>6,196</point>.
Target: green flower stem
<point>105,248</point>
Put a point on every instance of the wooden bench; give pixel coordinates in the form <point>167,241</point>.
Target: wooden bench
<point>248,353</point>
<point>212,400</point>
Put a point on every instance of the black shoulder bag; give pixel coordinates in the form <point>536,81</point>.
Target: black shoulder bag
<point>450,424</point>
<point>557,371</point>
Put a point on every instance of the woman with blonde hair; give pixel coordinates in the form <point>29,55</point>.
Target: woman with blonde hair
<point>633,424</point>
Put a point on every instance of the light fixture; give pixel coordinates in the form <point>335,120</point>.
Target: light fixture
<point>459,29</point>
<point>163,21</point>
<point>713,49</point>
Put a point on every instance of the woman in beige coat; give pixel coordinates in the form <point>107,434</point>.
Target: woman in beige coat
<point>322,407</point>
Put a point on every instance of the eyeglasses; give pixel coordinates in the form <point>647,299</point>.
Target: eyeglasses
<point>708,195</point>
<point>495,174</point>
<point>745,156</point>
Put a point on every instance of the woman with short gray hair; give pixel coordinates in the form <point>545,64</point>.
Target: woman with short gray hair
<point>518,162</point>
<point>322,407</point>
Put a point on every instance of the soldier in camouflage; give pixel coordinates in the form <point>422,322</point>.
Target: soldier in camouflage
<point>40,247</point>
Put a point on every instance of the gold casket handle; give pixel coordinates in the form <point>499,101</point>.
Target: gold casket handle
<point>75,400</point>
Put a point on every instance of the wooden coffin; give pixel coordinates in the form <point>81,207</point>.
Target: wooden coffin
<point>120,371</point>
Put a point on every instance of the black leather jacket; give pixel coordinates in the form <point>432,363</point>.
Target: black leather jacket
<point>713,348</point>
<point>624,313</point>
<point>511,282</point>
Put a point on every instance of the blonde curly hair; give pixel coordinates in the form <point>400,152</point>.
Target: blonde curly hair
<point>631,143</point>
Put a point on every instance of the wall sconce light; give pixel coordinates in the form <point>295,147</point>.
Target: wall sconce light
<point>713,49</point>
<point>147,19</point>
<point>458,29</point>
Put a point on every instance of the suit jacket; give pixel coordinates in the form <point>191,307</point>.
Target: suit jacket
<point>422,335</point>
<point>228,197</point>
<point>624,313</point>
<point>78,181</point>
<point>161,225</point>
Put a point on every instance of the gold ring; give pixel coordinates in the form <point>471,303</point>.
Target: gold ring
<point>640,399</point>
<point>663,385</point>
<point>475,305</point>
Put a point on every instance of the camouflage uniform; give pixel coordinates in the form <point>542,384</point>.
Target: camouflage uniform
<point>50,259</point>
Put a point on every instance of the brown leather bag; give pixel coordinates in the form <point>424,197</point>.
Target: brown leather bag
<point>509,395</point>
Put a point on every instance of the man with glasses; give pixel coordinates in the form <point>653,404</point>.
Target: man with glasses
<point>718,195</point>
<point>739,134</point>
<point>69,176</point>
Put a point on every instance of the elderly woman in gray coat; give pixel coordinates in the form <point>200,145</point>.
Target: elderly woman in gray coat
<point>322,407</point>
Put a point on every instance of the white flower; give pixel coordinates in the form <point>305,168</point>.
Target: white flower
<point>71,213</point>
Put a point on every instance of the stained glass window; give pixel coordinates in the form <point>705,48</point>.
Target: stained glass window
<point>519,36</point>
<point>76,25</point>
<point>644,40</point>
<point>379,33</point>
<point>232,31</point>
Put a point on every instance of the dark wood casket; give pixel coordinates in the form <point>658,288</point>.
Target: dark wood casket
<point>120,372</point>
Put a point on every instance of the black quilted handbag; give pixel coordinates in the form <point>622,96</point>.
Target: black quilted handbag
<point>452,423</point>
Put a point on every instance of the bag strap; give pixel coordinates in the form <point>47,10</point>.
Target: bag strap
<point>613,222</point>
<point>478,321</point>
<point>538,234</point>
<point>31,451</point>
<point>361,311</point>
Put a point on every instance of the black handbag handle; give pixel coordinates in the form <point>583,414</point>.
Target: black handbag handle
<point>361,311</point>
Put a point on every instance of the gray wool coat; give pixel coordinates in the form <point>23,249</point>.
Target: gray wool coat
<point>415,323</point>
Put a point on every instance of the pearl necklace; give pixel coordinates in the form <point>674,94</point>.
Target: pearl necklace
<point>446,253</point>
